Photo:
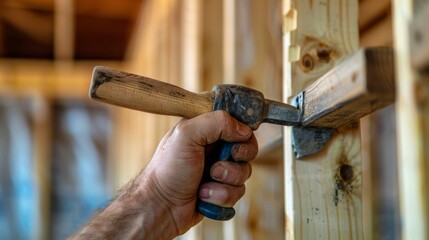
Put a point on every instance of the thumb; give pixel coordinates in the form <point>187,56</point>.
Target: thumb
<point>213,126</point>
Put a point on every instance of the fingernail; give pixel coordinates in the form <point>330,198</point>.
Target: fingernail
<point>243,130</point>
<point>219,173</point>
<point>206,192</point>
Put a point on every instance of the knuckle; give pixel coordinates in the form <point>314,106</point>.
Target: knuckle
<point>244,173</point>
<point>231,196</point>
<point>181,128</point>
<point>221,118</point>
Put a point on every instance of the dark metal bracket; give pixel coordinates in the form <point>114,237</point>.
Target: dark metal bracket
<point>308,140</point>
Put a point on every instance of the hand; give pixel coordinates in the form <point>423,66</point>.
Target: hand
<point>177,166</point>
<point>160,202</point>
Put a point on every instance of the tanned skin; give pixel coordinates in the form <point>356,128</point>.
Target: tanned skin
<point>159,203</point>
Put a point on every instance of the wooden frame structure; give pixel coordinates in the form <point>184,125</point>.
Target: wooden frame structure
<point>324,196</point>
<point>320,203</point>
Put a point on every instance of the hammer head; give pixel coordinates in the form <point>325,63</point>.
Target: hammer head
<point>249,106</point>
<point>244,104</point>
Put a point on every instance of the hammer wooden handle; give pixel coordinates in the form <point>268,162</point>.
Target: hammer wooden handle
<point>145,94</point>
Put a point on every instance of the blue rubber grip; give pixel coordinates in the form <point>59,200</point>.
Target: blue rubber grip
<point>222,152</point>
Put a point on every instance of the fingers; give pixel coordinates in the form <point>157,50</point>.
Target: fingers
<point>246,151</point>
<point>231,173</point>
<point>221,194</point>
<point>230,186</point>
<point>210,127</point>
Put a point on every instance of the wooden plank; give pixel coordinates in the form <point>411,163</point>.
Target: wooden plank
<point>158,27</point>
<point>323,192</point>
<point>191,33</point>
<point>47,78</point>
<point>109,9</point>
<point>379,34</point>
<point>419,45</point>
<point>64,29</point>
<point>212,44</point>
<point>380,175</point>
<point>412,125</point>
<point>20,18</point>
<point>361,84</point>
<point>370,11</point>
<point>256,61</point>
<point>42,139</point>
<point>229,77</point>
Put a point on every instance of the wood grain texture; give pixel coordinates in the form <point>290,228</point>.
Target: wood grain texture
<point>148,95</point>
<point>412,115</point>
<point>361,84</point>
<point>252,57</point>
<point>370,11</point>
<point>154,50</point>
<point>323,192</point>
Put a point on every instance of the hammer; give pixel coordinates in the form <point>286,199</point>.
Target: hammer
<point>145,94</point>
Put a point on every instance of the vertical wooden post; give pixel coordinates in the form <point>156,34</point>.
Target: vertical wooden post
<point>252,57</point>
<point>42,156</point>
<point>412,120</point>
<point>322,192</point>
<point>64,29</point>
<point>154,51</point>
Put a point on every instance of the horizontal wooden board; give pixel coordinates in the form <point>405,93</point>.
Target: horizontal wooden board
<point>361,84</point>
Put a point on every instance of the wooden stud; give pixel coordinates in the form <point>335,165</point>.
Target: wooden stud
<point>190,66</point>
<point>42,140</point>
<point>370,11</point>
<point>380,34</point>
<point>323,192</point>
<point>252,53</point>
<point>64,30</point>
<point>412,114</point>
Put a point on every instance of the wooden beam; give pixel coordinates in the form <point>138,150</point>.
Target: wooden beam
<point>42,139</point>
<point>190,34</point>
<point>379,34</point>
<point>43,77</point>
<point>64,30</point>
<point>370,11</point>
<point>380,175</point>
<point>412,124</point>
<point>323,194</point>
<point>109,9</point>
<point>361,84</point>
<point>252,57</point>
<point>40,28</point>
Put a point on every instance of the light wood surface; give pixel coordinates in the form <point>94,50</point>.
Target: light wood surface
<point>52,80</point>
<point>412,115</point>
<point>361,84</point>
<point>323,195</point>
<point>148,95</point>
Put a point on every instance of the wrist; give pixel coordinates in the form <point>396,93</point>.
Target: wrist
<point>136,213</point>
<point>154,217</point>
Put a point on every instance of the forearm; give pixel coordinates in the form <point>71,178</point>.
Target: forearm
<point>137,213</point>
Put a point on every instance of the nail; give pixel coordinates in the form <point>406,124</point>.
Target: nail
<point>219,173</point>
<point>206,192</point>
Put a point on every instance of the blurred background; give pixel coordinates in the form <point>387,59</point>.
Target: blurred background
<point>62,156</point>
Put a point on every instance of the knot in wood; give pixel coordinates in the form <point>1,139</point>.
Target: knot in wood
<point>346,172</point>
<point>324,53</point>
<point>307,62</point>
